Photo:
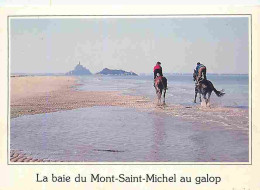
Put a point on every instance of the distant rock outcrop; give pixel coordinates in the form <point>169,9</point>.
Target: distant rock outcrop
<point>107,71</point>
<point>79,70</point>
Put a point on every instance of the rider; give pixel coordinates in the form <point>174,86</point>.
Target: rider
<point>157,69</point>
<point>201,70</point>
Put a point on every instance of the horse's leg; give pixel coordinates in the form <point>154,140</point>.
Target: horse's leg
<point>204,103</point>
<point>208,103</point>
<point>195,95</point>
<point>157,91</point>
<point>198,90</point>
<point>164,92</point>
<point>159,97</point>
<point>160,93</point>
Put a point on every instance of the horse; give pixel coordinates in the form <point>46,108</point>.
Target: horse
<point>204,88</point>
<point>160,84</point>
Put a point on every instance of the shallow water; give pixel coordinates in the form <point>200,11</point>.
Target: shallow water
<point>119,134</point>
<point>180,88</point>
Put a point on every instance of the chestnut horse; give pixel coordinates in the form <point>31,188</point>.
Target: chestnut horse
<point>160,84</point>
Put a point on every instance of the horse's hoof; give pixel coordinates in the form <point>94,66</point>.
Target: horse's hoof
<point>203,104</point>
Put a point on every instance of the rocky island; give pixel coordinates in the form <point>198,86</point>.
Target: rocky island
<point>79,70</point>
<point>107,71</point>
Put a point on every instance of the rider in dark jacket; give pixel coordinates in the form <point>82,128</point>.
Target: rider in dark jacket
<point>201,70</point>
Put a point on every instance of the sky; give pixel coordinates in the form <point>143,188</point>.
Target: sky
<point>56,45</point>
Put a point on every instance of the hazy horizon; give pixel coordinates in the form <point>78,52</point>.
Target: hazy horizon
<point>147,74</point>
<point>56,45</point>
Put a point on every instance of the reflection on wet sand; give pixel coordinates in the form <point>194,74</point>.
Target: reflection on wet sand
<point>158,137</point>
<point>118,134</point>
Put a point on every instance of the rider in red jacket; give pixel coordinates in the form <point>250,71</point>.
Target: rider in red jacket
<point>157,69</point>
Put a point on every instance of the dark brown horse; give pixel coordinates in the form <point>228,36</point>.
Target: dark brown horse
<point>160,84</point>
<point>205,88</point>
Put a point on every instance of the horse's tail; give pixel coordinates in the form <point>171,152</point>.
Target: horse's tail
<point>218,93</point>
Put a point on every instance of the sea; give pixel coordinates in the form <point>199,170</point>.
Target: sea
<point>180,88</point>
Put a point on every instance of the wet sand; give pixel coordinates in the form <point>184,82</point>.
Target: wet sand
<point>125,135</point>
<point>35,95</point>
<point>38,95</point>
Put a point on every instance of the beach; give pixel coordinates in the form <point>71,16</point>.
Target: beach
<point>35,99</point>
<point>43,94</point>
